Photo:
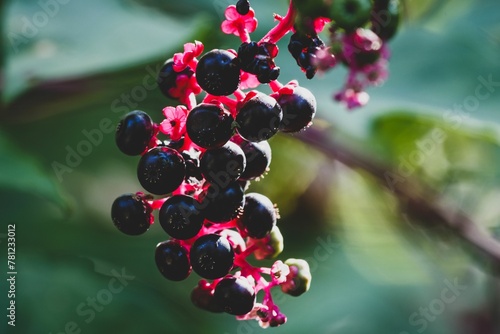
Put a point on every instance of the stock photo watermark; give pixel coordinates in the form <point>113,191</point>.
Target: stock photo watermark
<point>428,145</point>
<point>30,26</point>
<point>88,309</point>
<point>428,313</point>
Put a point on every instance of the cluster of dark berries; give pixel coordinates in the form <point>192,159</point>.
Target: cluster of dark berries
<point>303,48</point>
<point>197,164</point>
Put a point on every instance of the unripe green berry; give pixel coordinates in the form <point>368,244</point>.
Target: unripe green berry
<point>299,279</point>
<point>350,14</point>
<point>270,246</point>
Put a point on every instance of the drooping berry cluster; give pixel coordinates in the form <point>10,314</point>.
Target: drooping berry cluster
<point>197,163</point>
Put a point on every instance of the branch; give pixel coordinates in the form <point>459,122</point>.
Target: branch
<point>421,200</point>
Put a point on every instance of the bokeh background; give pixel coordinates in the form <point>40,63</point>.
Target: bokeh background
<point>377,268</point>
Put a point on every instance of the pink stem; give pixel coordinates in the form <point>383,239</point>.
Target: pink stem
<point>282,28</point>
<point>275,85</point>
<point>244,35</point>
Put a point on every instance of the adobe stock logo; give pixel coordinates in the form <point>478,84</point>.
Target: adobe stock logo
<point>30,26</point>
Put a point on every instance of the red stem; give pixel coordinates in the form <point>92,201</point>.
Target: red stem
<point>282,28</point>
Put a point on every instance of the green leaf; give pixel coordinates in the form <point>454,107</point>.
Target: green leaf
<point>22,174</point>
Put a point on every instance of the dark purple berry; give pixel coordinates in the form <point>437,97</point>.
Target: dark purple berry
<point>299,109</point>
<point>180,216</point>
<point>168,76</point>
<point>209,126</point>
<point>385,18</point>
<point>172,260</point>
<point>134,132</point>
<point>259,118</point>
<point>235,294</point>
<point>243,7</point>
<point>218,72</point>
<point>131,214</point>
<point>203,297</point>
<point>258,157</point>
<point>259,216</point>
<point>211,256</point>
<point>227,162</point>
<point>161,170</point>
<point>222,200</point>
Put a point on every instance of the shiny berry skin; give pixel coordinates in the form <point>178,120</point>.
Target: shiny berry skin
<point>211,256</point>
<point>235,294</point>
<point>131,214</point>
<point>172,260</point>
<point>218,72</point>
<point>134,132</point>
<point>259,118</point>
<point>167,78</point>
<point>209,126</point>
<point>299,109</point>
<point>222,201</point>
<point>258,157</point>
<point>226,162</point>
<point>259,216</point>
<point>385,18</point>
<point>181,217</point>
<point>350,14</point>
<point>161,170</point>
<point>202,296</point>
<point>243,7</point>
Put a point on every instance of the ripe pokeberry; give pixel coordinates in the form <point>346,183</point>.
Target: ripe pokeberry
<point>259,216</point>
<point>211,256</point>
<point>180,216</point>
<point>259,118</point>
<point>203,297</point>
<point>218,72</point>
<point>258,157</point>
<point>131,214</point>
<point>167,78</point>
<point>243,7</point>
<point>222,201</point>
<point>385,18</point>
<point>299,109</point>
<point>172,260</point>
<point>235,294</point>
<point>226,162</point>
<point>161,170</point>
<point>209,126</point>
<point>134,132</point>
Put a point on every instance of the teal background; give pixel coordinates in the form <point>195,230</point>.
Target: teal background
<point>374,266</point>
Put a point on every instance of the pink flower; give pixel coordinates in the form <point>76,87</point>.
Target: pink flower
<point>352,98</point>
<point>174,124</point>
<point>238,24</point>
<point>188,57</point>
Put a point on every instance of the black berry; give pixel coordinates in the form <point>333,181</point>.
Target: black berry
<point>218,72</point>
<point>167,78</point>
<point>235,294</point>
<point>258,157</point>
<point>259,216</point>
<point>222,201</point>
<point>259,118</point>
<point>299,109</point>
<point>172,260</point>
<point>203,297</point>
<point>212,256</point>
<point>181,217</point>
<point>243,7</point>
<point>209,126</point>
<point>161,170</point>
<point>134,132</point>
<point>226,162</point>
<point>131,214</point>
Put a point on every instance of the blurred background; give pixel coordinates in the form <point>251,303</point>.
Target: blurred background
<point>72,68</point>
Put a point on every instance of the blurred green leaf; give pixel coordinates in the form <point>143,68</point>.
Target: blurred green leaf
<point>21,173</point>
